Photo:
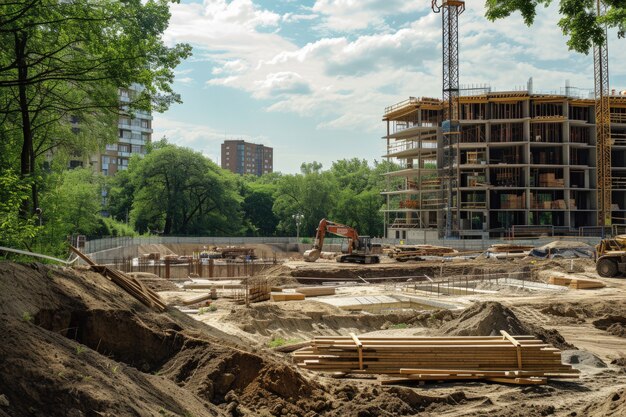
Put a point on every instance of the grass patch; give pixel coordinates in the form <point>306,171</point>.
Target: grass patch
<point>27,317</point>
<point>280,341</point>
<point>399,326</point>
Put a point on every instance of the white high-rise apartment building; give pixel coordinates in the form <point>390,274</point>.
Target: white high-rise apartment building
<point>134,134</point>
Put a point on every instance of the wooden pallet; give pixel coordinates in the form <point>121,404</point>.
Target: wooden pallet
<point>510,359</point>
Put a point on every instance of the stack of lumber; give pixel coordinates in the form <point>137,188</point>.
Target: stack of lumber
<point>129,284</point>
<point>512,201</point>
<point>506,248</point>
<point>316,291</point>
<point>414,252</point>
<point>513,359</point>
<point>576,283</point>
<point>560,280</point>
<point>585,284</point>
<point>286,296</point>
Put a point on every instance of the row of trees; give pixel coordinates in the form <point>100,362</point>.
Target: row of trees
<point>177,191</point>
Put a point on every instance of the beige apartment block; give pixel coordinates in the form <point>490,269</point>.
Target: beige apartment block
<point>522,164</point>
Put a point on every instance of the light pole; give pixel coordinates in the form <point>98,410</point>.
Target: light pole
<point>298,219</point>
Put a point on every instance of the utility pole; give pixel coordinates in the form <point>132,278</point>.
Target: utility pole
<point>298,219</point>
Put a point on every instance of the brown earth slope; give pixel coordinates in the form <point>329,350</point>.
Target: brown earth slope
<point>73,344</point>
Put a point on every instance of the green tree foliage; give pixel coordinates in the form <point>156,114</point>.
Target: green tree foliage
<point>257,206</point>
<point>579,19</point>
<point>72,205</point>
<point>15,231</point>
<point>181,192</point>
<point>120,192</point>
<point>312,193</point>
<point>63,61</point>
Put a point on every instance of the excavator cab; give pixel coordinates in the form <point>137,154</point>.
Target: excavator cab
<point>358,249</point>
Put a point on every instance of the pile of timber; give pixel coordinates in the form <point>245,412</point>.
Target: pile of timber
<point>129,284</point>
<point>512,359</point>
<point>286,296</point>
<point>506,248</point>
<point>576,283</point>
<point>415,252</point>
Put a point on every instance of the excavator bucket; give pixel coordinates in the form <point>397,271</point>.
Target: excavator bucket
<point>312,255</point>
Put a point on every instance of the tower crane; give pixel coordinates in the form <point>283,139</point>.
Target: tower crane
<point>603,126</point>
<point>450,11</point>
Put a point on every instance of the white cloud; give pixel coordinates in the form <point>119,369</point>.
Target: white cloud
<point>280,83</point>
<point>350,15</point>
<point>346,82</point>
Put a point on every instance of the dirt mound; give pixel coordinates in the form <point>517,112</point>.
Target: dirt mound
<point>582,359</point>
<point>278,275</point>
<point>272,320</point>
<point>154,248</point>
<point>615,325</point>
<point>612,406</point>
<point>74,344</point>
<point>488,318</point>
<point>485,319</point>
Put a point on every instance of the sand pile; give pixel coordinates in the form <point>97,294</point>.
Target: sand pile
<point>488,318</point>
<point>485,319</point>
<point>612,406</point>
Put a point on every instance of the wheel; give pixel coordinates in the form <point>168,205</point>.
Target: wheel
<point>606,268</point>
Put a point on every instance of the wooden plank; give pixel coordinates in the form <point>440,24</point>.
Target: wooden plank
<point>359,348</point>
<point>284,296</point>
<point>519,381</point>
<point>196,300</point>
<point>316,291</point>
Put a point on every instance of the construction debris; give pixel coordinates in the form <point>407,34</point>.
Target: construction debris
<point>563,249</point>
<point>403,253</point>
<point>506,358</point>
<point>199,299</point>
<point>129,284</point>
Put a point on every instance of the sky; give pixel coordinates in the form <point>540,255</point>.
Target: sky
<point>312,78</point>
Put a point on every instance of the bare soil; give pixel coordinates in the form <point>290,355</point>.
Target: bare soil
<point>73,344</point>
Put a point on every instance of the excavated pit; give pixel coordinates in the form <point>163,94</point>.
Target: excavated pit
<point>116,334</point>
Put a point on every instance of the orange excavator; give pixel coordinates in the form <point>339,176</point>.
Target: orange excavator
<point>359,247</point>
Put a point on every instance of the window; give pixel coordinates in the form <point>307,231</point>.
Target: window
<point>145,124</point>
<point>123,148</point>
<point>105,160</point>
<point>136,149</point>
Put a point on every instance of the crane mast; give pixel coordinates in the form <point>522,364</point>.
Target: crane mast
<point>603,127</point>
<point>450,11</point>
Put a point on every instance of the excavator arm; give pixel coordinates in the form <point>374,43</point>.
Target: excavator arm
<point>338,229</point>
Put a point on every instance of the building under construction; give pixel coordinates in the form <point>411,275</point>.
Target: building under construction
<point>521,164</point>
